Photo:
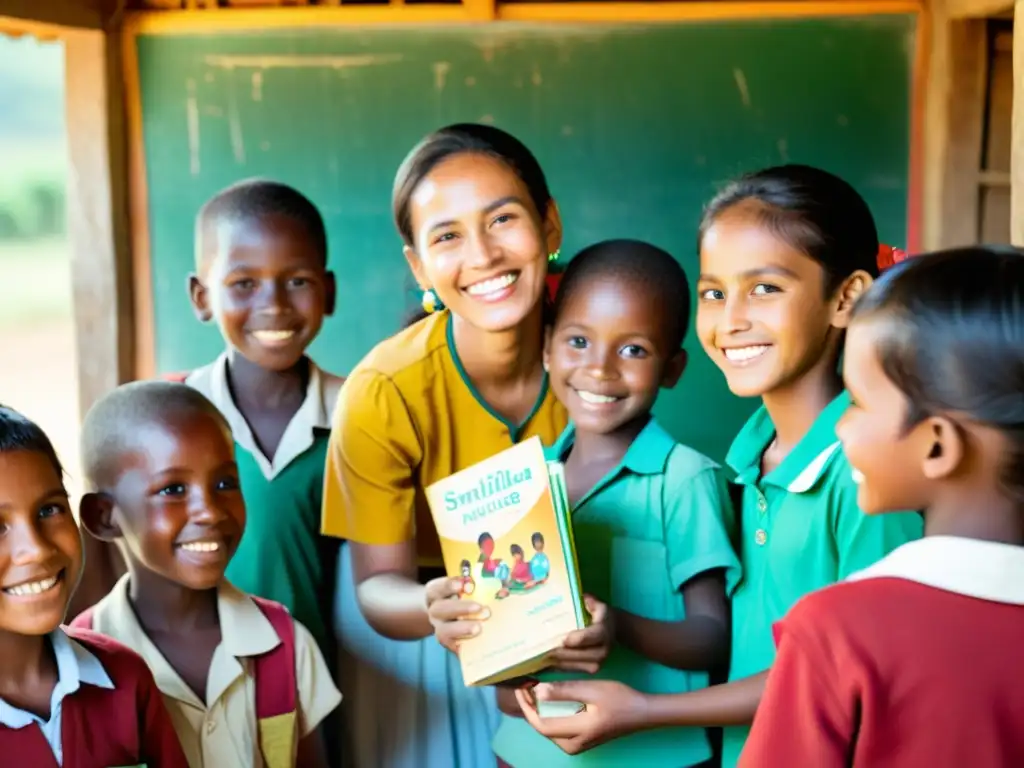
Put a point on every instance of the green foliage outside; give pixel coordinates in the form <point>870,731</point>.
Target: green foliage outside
<point>33,152</point>
<point>35,284</point>
<point>32,209</point>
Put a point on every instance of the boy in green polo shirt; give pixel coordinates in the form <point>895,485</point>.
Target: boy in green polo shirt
<point>261,275</point>
<point>648,513</point>
<point>785,253</point>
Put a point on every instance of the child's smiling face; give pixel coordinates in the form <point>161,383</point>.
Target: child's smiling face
<point>40,545</point>
<point>762,316</point>
<point>884,455</point>
<point>609,352</point>
<point>176,501</point>
<point>267,286</point>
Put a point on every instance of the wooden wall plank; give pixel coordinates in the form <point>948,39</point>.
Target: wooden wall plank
<point>953,132</point>
<point>965,119</point>
<point>47,17</point>
<point>98,224</point>
<point>977,9</point>
<point>99,237</point>
<point>1017,151</point>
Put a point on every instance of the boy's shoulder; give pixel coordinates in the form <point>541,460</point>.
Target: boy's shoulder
<point>211,381</point>
<point>679,462</point>
<point>684,461</point>
<point>251,625</point>
<point>124,666</point>
<point>855,608</point>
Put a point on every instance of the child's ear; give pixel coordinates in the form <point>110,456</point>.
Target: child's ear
<point>674,369</point>
<point>330,293</point>
<point>847,296</point>
<point>416,265</point>
<point>944,446</point>
<point>96,511</point>
<point>546,359</point>
<point>200,299</point>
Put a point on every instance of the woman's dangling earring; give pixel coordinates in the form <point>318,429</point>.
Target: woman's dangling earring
<point>553,258</point>
<point>430,302</point>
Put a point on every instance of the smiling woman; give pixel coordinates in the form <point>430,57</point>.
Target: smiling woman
<point>478,223</point>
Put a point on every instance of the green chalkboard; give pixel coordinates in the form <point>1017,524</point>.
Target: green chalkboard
<point>636,126</point>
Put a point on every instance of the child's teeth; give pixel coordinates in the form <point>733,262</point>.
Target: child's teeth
<point>273,335</point>
<point>591,397</point>
<point>35,588</point>
<point>492,285</point>
<point>201,546</point>
<point>742,354</point>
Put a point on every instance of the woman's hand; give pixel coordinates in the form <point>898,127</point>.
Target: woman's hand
<point>586,649</point>
<point>449,615</point>
<point>612,710</point>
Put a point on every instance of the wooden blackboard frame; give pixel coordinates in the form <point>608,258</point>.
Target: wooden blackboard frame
<point>469,12</point>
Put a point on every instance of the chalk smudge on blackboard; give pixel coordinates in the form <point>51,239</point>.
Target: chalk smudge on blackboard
<point>192,120</point>
<point>441,69</point>
<point>783,146</point>
<point>235,126</point>
<point>741,86</point>
<point>300,61</point>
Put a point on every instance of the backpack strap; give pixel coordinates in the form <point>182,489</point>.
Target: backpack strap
<point>277,690</point>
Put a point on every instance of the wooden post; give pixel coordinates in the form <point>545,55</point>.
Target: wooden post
<point>97,219</point>
<point>99,240</point>
<point>1017,148</point>
<point>51,17</point>
<point>953,122</point>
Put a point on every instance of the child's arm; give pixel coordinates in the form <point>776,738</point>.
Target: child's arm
<point>318,697</point>
<point>698,642</point>
<point>700,562</point>
<point>613,709</point>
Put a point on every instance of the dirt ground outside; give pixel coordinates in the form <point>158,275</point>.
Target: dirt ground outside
<point>38,372</point>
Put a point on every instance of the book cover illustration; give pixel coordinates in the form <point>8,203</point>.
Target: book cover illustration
<point>505,534</point>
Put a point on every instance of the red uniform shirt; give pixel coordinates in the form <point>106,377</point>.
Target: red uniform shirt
<point>918,662</point>
<point>101,727</point>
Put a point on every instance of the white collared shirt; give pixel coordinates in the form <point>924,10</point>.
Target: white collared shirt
<point>75,666</point>
<point>985,570</point>
<point>314,413</point>
<point>221,732</point>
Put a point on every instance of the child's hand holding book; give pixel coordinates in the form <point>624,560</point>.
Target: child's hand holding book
<point>584,650</point>
<point>449,615</point>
